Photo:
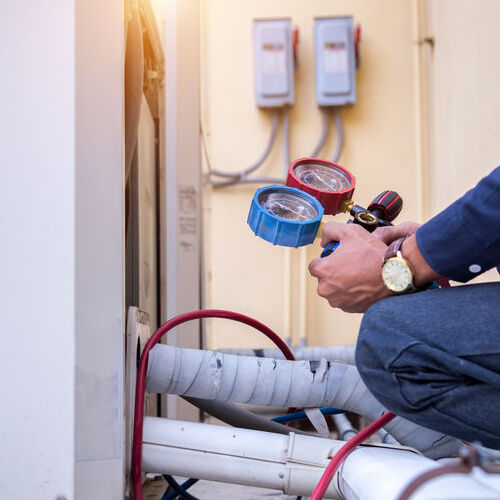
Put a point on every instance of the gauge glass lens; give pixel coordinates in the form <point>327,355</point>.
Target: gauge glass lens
<point>327,178</point>
<point>288,206</point>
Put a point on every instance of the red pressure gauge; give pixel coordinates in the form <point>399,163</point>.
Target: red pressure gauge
<point>328,182</point>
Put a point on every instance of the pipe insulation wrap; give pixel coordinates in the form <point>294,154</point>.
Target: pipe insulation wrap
<point>275,382</point>
<point>344,353</point>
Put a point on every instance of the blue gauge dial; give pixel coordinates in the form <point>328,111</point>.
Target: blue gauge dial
<point>285,216</point>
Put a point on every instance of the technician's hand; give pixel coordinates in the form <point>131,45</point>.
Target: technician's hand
<point>388,234</point>
<point>350,278</point>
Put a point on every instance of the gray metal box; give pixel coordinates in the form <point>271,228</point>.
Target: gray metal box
<point>335,61</point>
<point>273,56</point>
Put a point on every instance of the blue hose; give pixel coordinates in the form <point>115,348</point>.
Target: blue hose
<point>301,415</point>
<point>179,489</point>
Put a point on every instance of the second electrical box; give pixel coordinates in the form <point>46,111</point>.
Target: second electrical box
<point>273,62</point>
<point>335,61</point>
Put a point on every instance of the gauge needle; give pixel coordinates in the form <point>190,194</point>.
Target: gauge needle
<point>321,180</point>
<point>288,209</point>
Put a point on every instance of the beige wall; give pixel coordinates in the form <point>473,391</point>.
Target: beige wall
<point>245,273</point>
<point>461,72</point>
<point>424,124</point>
<point>464,104</point>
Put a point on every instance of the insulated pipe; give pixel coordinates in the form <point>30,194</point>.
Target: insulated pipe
<point>271,382</point>
<point>294,464</point>
<point>332,353</point>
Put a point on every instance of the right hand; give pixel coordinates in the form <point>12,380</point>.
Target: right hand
<point>388,234</point>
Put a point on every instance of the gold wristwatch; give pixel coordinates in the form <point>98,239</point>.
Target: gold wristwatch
<point>396,272</point>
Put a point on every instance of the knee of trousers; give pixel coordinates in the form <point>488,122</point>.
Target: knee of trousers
<point>378,345</point>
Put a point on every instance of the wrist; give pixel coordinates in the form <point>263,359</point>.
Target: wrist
<point>422,272</point>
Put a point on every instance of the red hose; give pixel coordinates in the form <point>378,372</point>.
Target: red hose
<point>339,457</point>
<point>143,364</point>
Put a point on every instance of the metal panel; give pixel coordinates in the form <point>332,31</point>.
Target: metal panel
<point>335,65</point>
<point>273,55</point>
<point>142,240</point>
<point>37,197</point>
<point>181,213</point>
<point>99,245</point>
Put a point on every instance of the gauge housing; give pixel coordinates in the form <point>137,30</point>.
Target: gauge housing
<point>310,174</point>
<point>285,216</point>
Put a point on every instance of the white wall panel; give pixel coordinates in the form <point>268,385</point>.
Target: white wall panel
<point>37,258</point>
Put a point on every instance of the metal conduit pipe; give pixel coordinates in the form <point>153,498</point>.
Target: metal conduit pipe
<point>324,133</point>
<point>294,463</point>
<point>238,175</point>
<point>274,382</point>
<point>340,134</point>
<point>344,353</point>
<point>238,417</point>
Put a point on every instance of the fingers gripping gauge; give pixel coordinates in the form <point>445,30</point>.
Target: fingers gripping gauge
<point>285,216</point>
<point>331,184</point>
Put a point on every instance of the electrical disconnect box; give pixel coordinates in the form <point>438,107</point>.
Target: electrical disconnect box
<point>273,54</point>
<point>335,61</point>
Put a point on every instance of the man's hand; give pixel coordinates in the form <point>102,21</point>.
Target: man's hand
<point>388,234</point>
<point>350,278</point>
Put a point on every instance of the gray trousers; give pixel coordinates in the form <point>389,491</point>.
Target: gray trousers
<point>433,357</point>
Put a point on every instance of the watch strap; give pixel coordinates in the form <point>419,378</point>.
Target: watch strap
<point>393,248</point>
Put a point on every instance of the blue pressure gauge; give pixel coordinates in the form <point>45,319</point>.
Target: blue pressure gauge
<point>285,216</point>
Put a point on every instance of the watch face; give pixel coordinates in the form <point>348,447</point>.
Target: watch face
<point>396,275</point>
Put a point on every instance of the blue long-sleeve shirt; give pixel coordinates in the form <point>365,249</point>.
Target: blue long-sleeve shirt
<point>463,240</point>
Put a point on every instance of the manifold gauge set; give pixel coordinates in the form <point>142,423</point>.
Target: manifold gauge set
<point>291,215</point>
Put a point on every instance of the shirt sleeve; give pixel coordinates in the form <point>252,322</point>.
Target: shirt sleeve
<point>463,240</point>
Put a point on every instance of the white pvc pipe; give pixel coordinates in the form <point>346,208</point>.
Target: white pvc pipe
<point>344,427</point>
<point>290,463</point>
<point>371,473</point>
<point>274,382</point>
<point>294,463</point>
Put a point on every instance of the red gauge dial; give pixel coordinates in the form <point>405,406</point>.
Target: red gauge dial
<point>328,182</point>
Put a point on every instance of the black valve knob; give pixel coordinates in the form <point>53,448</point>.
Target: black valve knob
<point>386,205</point>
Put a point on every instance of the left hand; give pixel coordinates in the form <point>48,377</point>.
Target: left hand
<point>350,278</point>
